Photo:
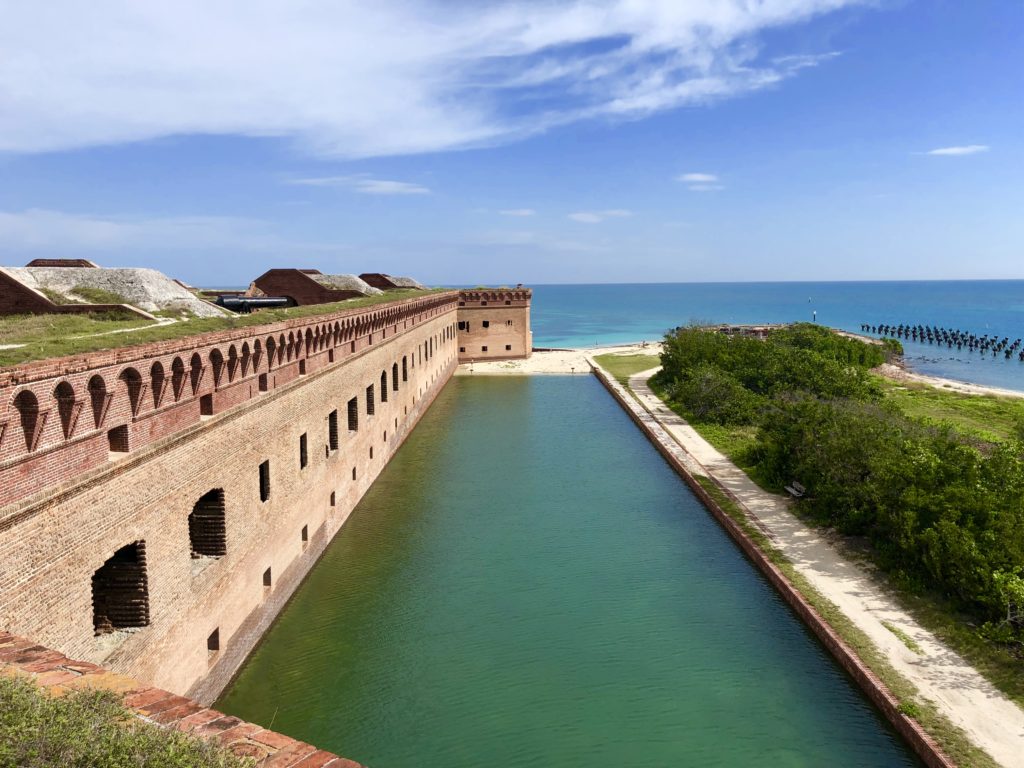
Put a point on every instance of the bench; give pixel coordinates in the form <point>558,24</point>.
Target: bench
<point>796,490</point>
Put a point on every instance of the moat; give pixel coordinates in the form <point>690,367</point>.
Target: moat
<point>527,583</point>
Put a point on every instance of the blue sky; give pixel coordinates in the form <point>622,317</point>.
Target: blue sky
<point>503,142</point>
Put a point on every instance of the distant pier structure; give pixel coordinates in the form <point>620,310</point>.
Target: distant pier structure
<point>994,346</point>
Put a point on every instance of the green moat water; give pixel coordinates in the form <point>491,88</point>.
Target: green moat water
<point>529,584</point>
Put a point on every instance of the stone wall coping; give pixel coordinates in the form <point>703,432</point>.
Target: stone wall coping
<point>56,673</point>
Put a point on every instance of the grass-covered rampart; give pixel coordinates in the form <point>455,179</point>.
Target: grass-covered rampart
<point>92,729</point>
<point>45,336</point>
<point>929,485</point>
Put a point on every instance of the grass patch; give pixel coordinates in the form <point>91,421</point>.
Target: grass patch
<point>990,418</point>
<point>99,295</point>
<point>950,737</point>
<point>48,336</point>
<point>906,639</point>
<point>92,728</point>
<point>621,367</point>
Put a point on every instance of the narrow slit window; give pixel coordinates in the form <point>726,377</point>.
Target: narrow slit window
<point>213,641</point>
<point>383,386</point>
<point>267,578</point>
<point>369,400</point>
<point>332,430</point>
<point>265,480</point>
<point>353,414</point>
<point>303,451</point>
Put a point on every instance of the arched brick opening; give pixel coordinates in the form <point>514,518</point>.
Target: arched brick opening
<point>157,382</point>
<point>132,381</point>
<point>67,408</point>
<point>177,378</point>
<point>27,405</point>
<point>120,593</point>
<point>217,363</point>
<point>98,399</point>
<point>207,528</point>
<point>232,362</point>
<point>271,349</point>
<point>196,372</point>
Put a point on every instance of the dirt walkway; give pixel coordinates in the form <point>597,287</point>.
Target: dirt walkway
<point>556,361</point>
<point>898,373</point>
<point>991,721</point>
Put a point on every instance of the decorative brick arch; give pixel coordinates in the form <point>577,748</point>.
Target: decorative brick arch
<point>130,380</point>
<point>68,407</point>
<point>31,417</point>
<point>157,382</point>
<point>233,364</point>
<point>217,365</point>
<point>99,399</point>
<point>178,378</point>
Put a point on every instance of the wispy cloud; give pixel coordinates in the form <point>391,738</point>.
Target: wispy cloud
<point>333,76</point>
<point>596,217</point>
<point>365,185</point>
<point>522,212</point>
<point>701,182</point>
<point>968,149</point>
<point>698,178</point>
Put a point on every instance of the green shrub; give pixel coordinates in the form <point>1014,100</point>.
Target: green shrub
<point>92,729</point>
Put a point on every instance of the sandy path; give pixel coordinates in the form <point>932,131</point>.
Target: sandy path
<point>553,362</point>
<point>991,720</point>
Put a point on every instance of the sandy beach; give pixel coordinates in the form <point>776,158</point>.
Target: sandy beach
<point>558,362</point>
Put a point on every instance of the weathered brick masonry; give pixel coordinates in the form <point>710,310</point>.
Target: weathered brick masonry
<point>117,468</point>
<point>494,324</point>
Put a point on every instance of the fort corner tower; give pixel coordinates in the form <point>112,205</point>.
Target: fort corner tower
<point>494,324</point>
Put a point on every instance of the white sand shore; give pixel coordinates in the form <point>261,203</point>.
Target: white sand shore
<point>897,373</point>
<point>556,361</point>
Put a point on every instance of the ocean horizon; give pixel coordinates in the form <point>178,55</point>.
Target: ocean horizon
<point>603,314</point>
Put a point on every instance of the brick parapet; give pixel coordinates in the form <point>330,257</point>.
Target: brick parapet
<point>60,418</point>
<point>56,673</point>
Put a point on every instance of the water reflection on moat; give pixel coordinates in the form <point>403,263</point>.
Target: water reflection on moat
<point>528,584</point>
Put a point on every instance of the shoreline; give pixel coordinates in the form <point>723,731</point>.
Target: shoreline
<point>556,362</point>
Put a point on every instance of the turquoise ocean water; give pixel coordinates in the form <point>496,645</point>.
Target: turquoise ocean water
<point>589,315</point>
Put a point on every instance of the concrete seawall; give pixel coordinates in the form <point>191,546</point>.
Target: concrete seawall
<point>687,468</point>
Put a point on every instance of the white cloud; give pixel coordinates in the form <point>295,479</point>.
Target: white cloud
<point>349,79</point>
<point>596,217</point>
<point>518,212</point>
<point>969,149</point>
<point>364,185</point>
<point>698,178</point>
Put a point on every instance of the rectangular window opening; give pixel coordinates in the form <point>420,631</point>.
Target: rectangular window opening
<point>508,347</point>
<point>305,536</point>
<point>333,500</point>
<point>369,400</point>
<point>263,382</point>
<point>117,439</point>
<point>486,323</point>
<point>213,641</point>
<point>206,405</point>
<point>267,579</point>
<point>353,414</point>
<point>303,451</point>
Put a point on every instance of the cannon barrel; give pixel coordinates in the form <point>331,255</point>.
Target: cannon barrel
<point>245,304</point>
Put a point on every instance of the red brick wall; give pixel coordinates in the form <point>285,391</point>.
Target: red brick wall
<point>56,457</point>
<point>506,335</point>
<point>16,299</point>
<point>52,544</point>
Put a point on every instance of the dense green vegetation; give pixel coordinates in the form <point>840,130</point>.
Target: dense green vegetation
<point>92,729</point>
<point>941,509</point>
<point>46,336</point>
